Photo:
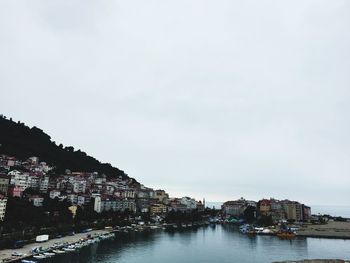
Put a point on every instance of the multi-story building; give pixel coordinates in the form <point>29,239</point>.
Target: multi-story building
<point>4,184</point>
<point>277,210</point>
<point>54,194</point>
<point>15,191</point>
<point>113,204</point>
<point>306,212</point>
<point>83,199</point>
<point>98,203</point>
<point>293,210</point>
<point>79,186</point>
<point>11,161</point>
<point>129,204</point>
<point>72,198</point>
<point>190,203</point>
<point>52,182</point>
<point>143,199</point>
<point>157,209</point>
<point>19,179</point>
<point>34,182</point>
<point>234,208</point>
<point>128,193</point>
<point>44,184</point>
<point>176,206</point>
<point>264,207</point>
<point>3,202</point>
<point>61,184</point>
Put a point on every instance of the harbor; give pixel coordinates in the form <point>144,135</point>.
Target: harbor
<point>37,252</point>
<point>50,248</point>
<point>208,243</point>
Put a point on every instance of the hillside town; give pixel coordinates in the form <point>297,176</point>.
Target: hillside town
<point>33,186</point>
<point>33,180</point>
<point>82,188</point>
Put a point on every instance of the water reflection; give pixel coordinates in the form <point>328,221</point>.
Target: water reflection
<point>208,244</point>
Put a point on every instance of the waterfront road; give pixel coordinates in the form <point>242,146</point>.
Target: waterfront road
<point>6,253</point>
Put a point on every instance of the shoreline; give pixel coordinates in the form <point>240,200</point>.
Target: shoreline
<point>331,230</point>
<point>26,250</point>
<point>314,261</point>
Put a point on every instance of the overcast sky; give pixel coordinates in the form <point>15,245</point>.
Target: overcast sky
<point>214,99</point>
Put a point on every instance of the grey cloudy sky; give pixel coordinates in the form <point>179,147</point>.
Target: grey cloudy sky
<point>215,99</point>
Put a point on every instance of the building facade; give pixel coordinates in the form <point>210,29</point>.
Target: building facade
<point>3,203</point>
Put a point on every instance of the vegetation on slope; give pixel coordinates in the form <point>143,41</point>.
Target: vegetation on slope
<point>21,141</point>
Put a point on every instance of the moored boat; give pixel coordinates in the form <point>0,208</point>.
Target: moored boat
<point>252,233</point>
<point>286,235</point>
<point>49,254</point>
<point>69,249</point>
<point>39,256</point>
<point>58,251</point>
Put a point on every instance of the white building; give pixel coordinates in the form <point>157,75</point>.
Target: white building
<point>44,184</point>
<point>83,199</point>
<point>190,203</point>
<point>73,198</point>
<point>98,204</point>
<point>54,194</point>
<point>3,202</point>
<point>128,193</point>
<point>37,200</point>
<point>20,179</point>
<point>79,186</point>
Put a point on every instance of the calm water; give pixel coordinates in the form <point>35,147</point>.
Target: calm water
<point>220,244</point>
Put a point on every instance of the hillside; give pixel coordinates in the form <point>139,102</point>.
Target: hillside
<point>21,141</point>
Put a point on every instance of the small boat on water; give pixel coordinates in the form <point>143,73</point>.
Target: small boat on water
<point>286,235</point>
<point>39,256</point>
<point>244,229</point>
<point>252,233</point>
<point>69,249</point>
<point>56,245</point>
<point>49,254</point>
<point>37,250</point>
<point>78,246</point>
<point>58,251</point>
<point>28,261</point>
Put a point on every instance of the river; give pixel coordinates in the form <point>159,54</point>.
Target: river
<point>207,244</point>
